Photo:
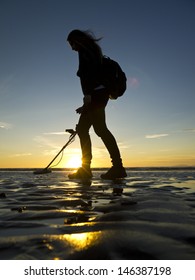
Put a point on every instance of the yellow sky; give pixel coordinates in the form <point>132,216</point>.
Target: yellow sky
<point>72,158</point>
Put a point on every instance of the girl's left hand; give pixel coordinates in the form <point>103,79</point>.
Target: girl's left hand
<point>79,110</point>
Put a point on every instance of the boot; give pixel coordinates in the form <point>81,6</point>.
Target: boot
<point>115,172</point>
<point>81,173</point>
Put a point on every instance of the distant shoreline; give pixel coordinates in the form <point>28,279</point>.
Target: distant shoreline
<point>163,168</point>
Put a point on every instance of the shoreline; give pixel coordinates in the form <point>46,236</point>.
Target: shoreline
<point>163,168</point>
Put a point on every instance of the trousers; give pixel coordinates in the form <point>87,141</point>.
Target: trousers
<point>97,119</point>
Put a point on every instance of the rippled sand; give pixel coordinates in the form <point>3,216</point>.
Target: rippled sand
<point>149,215</point>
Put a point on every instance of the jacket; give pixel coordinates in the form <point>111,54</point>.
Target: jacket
<point>90,75</point>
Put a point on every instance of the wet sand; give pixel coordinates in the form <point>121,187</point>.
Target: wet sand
<point>149,215</point>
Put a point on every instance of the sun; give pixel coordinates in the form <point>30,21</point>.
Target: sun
<point>74,161</point>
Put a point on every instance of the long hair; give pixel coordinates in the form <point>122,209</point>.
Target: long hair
<point>86,41</point>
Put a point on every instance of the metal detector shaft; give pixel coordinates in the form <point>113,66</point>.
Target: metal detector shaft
<point>46,170</point>
<point>73,134</point>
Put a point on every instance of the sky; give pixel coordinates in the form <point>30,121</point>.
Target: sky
<point>154,42</point>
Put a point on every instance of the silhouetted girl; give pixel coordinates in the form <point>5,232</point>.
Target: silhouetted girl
<point>92,113</point>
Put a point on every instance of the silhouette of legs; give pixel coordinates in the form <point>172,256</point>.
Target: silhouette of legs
<point>96,118</point>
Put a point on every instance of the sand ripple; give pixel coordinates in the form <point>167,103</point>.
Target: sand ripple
<point>149,215</point>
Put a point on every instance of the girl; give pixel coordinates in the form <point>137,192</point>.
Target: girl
<point>92,113</point>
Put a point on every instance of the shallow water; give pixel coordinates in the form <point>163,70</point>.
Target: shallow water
<point>149,215</point>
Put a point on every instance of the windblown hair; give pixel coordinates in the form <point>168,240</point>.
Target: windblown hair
<point>86,41</point>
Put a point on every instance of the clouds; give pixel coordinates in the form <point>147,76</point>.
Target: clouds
<point>5,125</point>
<point>160,135</point>
<point>48,142</point>
<point>189,130</point>
<point>20,155</point>
<point>45,142</point>
<point>156,136</point>
<point>55,133</point>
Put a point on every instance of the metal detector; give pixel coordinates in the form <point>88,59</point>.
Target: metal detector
<point>71,138</point>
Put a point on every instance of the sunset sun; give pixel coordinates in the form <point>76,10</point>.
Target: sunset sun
<point>74,161</point>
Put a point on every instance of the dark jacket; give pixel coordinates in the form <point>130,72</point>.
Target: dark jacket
<point>90,73</point>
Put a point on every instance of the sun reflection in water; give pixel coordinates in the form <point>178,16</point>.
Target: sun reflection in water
<point>80,241</point>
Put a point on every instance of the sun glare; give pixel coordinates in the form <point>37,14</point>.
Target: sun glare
<point>74,162</point>
<point>82,240</point>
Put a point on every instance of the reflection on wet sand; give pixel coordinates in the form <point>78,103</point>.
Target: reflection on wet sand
<point>80,241</point>
<point>149,215</point>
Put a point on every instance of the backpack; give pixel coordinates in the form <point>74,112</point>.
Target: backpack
<point>113,78</point>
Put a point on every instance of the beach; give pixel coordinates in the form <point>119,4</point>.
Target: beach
<point>150,215</point>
